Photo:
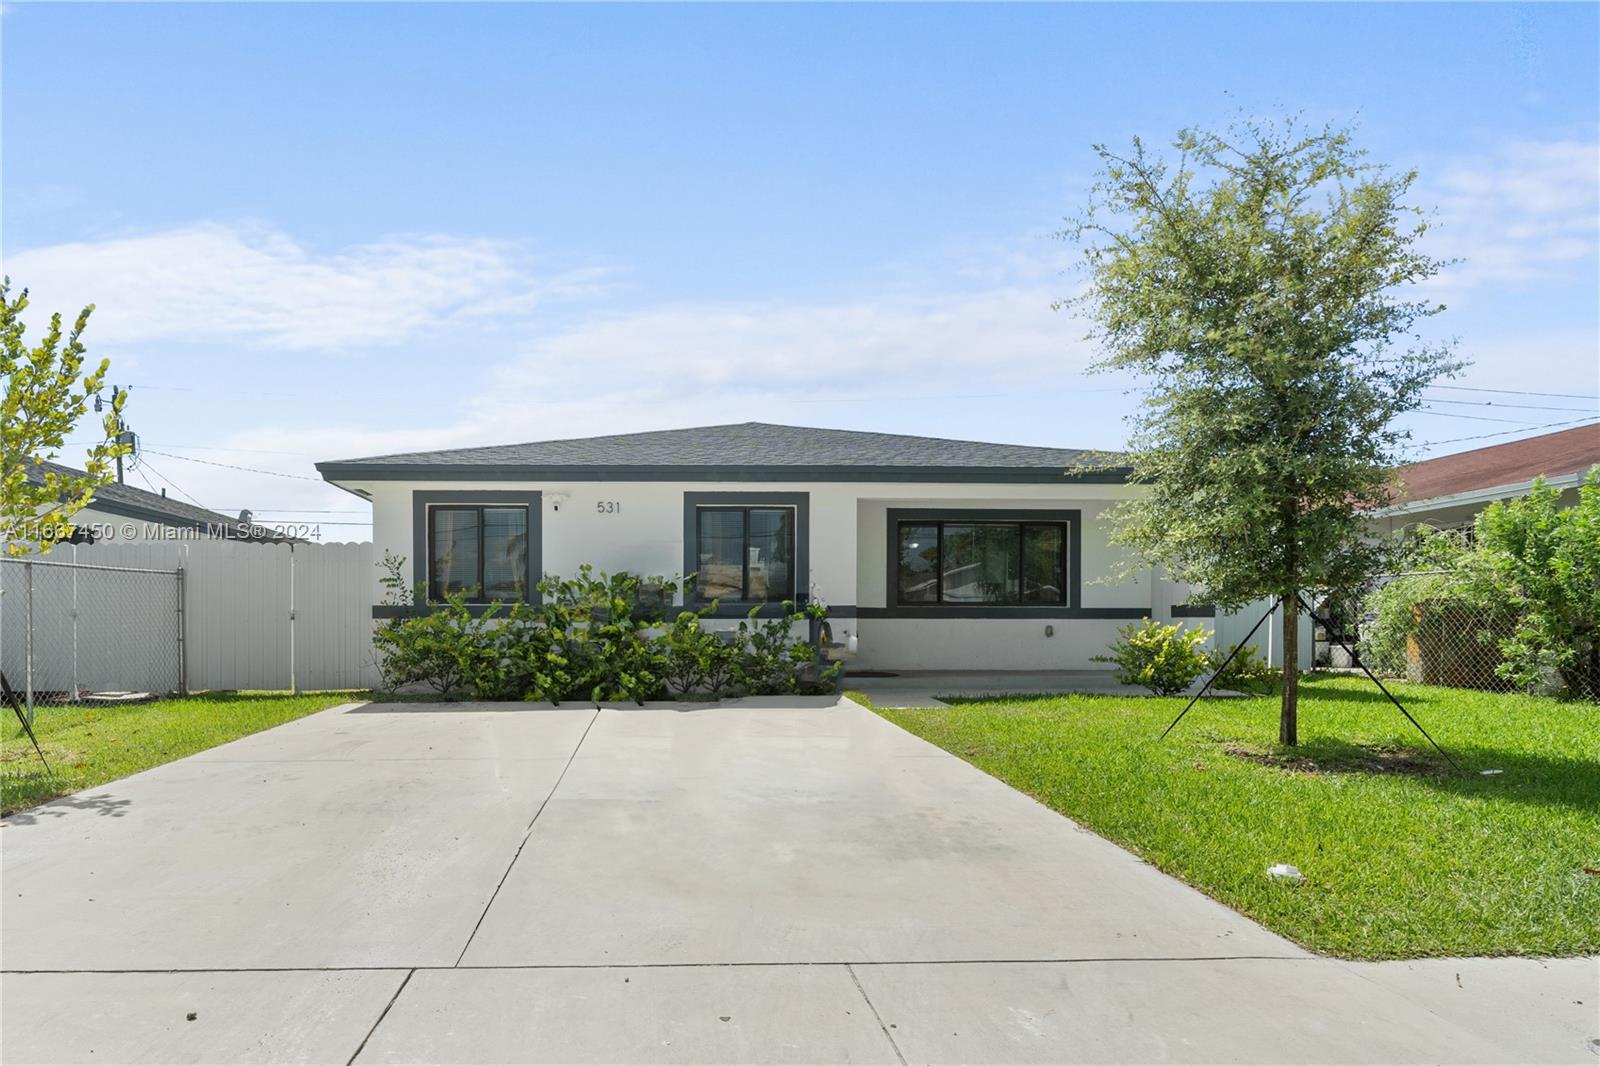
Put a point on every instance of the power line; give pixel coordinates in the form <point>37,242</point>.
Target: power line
<point>214,448</point>
<point>147,481</point>
<point>197,448</point>
<point>146,463</point>
<point>1518,392</point>
<point>1497,403</point>
<point>230,466</point>
<point>1508,432</point>
<point>1472,418</point>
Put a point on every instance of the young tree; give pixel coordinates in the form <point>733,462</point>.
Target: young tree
<point>1257,284</point>
<point>46,393</point>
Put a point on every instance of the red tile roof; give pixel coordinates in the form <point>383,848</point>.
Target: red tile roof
<point>1549,455</point>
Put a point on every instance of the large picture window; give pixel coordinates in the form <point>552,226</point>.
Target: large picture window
<point>479,551</point>
<point>745,554</point>
<point>982,563</point>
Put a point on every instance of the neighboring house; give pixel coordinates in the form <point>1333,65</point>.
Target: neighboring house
<point>120,512</point>
<point>934,554</point>
<point>1448,492</point>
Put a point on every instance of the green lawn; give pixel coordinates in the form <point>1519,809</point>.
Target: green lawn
<point>1403,857</point>
<point>89,746</point>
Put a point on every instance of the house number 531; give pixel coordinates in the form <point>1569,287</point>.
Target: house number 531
<point>607,506</point>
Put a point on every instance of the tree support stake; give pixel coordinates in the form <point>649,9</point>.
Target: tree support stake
<point>1327,624</point>
<point>1218,672</point>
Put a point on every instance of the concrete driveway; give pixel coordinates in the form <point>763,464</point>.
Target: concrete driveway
<point>763,881</point>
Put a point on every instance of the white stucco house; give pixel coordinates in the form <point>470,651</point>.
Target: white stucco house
<point>931,553</point>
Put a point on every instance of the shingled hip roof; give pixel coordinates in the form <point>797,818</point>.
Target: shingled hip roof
<point>744,450</point>
<point>128,501</point>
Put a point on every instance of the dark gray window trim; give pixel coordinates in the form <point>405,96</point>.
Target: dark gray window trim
<point>1064,613</point>
<point>420,502</point>
<point>1193,610</point>
<point>343,471</point>
<point>800,501</point>
<point>1072,518</point>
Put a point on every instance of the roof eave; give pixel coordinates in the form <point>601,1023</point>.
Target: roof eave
<point>1486,495</point>
<point>356,471</point>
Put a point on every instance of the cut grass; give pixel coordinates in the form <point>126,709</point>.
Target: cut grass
<point>1403,856</point>
<point>88,746</point>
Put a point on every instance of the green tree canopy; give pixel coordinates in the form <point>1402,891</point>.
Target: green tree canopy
<point>46,392</point>
<point>1258,283</point>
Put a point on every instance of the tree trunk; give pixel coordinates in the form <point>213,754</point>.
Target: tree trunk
<point>1288,722</point>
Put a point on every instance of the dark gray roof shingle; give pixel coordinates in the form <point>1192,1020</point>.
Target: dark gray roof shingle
<point>746,446</point>
<point>128,501</point>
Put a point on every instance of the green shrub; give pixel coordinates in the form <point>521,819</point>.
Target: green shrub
<point>1544,560</point>
<point>1163,659</point>
<point>594,637</point>
<point>443,649</point>
<point>515,658</point>
<point>597,644</point>
<point>1444,621</point>
<point>774,662</point>
<point>1246,672</point>
<point>698,661</point>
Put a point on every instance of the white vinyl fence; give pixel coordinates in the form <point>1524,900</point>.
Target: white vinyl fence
<point>188,616</point>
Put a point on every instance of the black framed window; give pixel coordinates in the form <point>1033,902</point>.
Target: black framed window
<point>745,554</point>
<point>481,551</point>
<point>982,563</point>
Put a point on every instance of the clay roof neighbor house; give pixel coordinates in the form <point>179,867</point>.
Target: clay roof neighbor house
<point>1448,492</point>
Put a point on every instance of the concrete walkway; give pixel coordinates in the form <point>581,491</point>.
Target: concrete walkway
<point>757,882</point>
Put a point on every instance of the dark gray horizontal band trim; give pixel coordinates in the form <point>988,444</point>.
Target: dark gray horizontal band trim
<point>1193,610</point>
<point>738,610</point>
<point>1065,613</point>
<point>344,471</point>
<point>421,610</point>
<point>724,610</point>
<point>774,610</point>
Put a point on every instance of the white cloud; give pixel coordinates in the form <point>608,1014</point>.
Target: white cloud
<point>870,363</point>
<point>1518,215</point>
<point>973,342</point>
<point>255,284</point>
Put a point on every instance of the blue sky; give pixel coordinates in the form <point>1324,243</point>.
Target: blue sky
<point>319,231</point>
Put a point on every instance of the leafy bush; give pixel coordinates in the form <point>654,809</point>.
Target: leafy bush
<point>442,649</point>
<point>1246,672</point>
<point>1545,561</point>
<point>514,658</point>
<point>774,662</point>
<point>698,661</point>
<point>594,637</point>
<point>1423,602</point>
<point>1162,658</point>
<point>598,648</point>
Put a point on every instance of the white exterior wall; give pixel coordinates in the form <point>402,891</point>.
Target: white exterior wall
<point>847,560</point>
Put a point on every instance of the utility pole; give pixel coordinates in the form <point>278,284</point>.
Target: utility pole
<point>124,435</point>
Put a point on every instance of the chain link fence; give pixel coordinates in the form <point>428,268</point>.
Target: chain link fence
<point>1415,626</point>
<point>77,631</point>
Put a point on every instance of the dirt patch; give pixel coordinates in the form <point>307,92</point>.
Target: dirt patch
<point>1354,759</point>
